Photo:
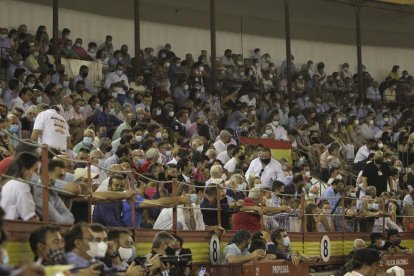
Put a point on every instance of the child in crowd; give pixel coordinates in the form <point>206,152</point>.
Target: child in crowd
<point>325,223</point>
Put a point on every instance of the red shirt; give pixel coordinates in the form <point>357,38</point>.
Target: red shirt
<point>246,221</point>
<point>5,164</point>
<point>144,167</point>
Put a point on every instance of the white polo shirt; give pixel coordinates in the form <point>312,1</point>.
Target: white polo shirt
<point>165,219</point>
<point>230,165</point>
<point>362,154</point>
<point>219,146</point>
<point>113,77</point>
<point>17,201</point>
<point>267,173</point>
<point>54,129</point>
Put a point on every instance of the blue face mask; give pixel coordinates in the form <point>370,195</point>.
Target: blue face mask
<point>87,141</point>
<point>59,184</point>
<point>69,177</point>
<point>35,178</point>
<point>139,162</point>
<point>13,128</point>
<point>194,198</point>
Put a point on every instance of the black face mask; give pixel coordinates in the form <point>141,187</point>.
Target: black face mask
<point>61,72</point>
<point>265,160</point>
<point>242,157</point>
<point>378,161</point>
<point>84,75</point>
<point>161,176</point>
<point>170,251</point>
<point>109,148</point>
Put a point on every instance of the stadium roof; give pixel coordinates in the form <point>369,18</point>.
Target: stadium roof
<point>401,2</point>
<point>382,23</point>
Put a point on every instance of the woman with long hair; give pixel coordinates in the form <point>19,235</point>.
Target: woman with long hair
<point>16,198</point>
<point>310,210</point>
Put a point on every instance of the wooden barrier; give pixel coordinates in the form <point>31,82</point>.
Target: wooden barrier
<point>198,241</point>
<point>254,268</point>
<point>275,267</point>
<point>404,261</point>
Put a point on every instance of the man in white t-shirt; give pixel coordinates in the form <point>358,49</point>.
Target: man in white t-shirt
<point>117,80</point>
<point>51,129</point>
<point>189,218</point>
<point>221,144</point>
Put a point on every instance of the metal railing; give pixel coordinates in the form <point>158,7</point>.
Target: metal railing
<point>94,199</point>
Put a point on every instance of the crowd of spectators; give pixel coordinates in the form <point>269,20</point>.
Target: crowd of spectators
<point>142,131</point>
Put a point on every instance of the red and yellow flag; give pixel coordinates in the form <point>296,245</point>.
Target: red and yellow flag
<point>280,149</point>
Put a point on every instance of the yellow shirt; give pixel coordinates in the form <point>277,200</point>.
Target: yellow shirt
<point>389,95</point>
<point>394,75</point>
<point>31,63</point>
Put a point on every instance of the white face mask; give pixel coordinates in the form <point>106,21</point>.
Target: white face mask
<point>275,123</point>
<point>286,241</point>
<point>66,84</point>
<point>171,114</point>
<point>158,135</point>
<point>200,148</point>
<point>119,72</point>
<point>382,243</point>
<point>186,87</point>
<point>97,249</point>
<point>125,253</point>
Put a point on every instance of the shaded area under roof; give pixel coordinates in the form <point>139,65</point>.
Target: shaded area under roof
<point>316,20</point>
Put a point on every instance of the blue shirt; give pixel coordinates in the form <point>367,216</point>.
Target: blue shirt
<point>127,212</point>
<point>8,96</point>
<point>180,96</point>
<point>109,120</point>
<point>331,196</point>
<point>77,261</point>
<point>109,214</point>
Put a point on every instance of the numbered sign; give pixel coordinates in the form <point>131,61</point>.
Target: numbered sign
<point>325,248</point>
<point>214,250</point>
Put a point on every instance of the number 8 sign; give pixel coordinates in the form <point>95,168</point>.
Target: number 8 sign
<point>214,250</point>
<point>325,248</point>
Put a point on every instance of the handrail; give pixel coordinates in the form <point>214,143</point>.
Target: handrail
<point>45,180</point>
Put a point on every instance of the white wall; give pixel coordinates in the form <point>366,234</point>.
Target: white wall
<point>92,27</point>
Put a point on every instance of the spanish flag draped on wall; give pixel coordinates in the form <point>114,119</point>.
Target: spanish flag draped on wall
<point>280,149</point>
